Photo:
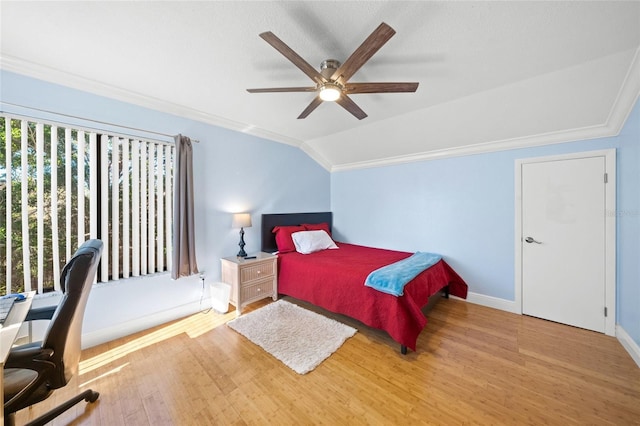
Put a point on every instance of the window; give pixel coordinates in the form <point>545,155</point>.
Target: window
<point>60,186</point>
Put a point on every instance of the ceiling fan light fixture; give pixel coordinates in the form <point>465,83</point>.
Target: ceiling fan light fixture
<point>330,92</point>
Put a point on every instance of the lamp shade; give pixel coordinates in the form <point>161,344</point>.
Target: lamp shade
<point>241,220</point>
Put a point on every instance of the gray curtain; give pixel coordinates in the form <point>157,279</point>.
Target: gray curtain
<point>184,249</point>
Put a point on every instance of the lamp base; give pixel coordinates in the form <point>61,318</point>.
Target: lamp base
<point>242,253</point>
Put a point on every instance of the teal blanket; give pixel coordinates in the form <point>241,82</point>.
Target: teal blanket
<point>392,278</point>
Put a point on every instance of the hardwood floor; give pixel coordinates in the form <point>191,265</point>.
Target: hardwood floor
<point>474,365</point>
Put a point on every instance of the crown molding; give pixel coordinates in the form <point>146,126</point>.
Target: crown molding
<point>52,75</point>
<point>316,156</point>
<point>591,132</point>
<point>627,96</point>
<point>620,110</point>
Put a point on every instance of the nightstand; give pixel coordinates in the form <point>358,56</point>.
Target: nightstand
<point>250,279</point>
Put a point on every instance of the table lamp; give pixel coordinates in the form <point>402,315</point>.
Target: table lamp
<point>241,220</point>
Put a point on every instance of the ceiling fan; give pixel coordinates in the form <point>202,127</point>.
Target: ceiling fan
<point>332,82</point>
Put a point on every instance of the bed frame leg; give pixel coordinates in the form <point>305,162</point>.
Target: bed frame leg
<point>446,292</point>
<point>403,349</point>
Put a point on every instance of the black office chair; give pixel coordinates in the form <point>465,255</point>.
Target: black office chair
<point>33,371</point>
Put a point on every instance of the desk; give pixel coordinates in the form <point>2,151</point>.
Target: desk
<point>8,333</point>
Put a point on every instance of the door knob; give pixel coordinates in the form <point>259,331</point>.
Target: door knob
<point>531,240</point>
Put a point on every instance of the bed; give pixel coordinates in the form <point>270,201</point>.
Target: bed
<point>334,279</point>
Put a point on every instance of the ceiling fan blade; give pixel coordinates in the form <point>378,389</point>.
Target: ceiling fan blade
<point>313,105</point>
<point>351,88</point>
<point>364,52</point>
<point>283,89</point>
<point>347,103</point>
<point>296,59</point>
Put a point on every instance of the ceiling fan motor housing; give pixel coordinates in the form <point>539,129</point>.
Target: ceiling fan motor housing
<point>328,67</point>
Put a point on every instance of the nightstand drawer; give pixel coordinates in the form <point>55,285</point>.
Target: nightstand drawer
<point>257,272</point>
<point>257,290</point>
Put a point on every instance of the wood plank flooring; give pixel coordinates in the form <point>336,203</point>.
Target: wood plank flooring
<point>474,365</point>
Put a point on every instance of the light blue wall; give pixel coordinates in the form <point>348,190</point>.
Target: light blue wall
<point>238,172</point>
<point>464,207</point>
<point>628,224</point>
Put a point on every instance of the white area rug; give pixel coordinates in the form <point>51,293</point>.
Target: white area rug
<point>301,339</point>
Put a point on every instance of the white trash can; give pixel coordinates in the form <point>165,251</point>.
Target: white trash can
<point>220,293</point>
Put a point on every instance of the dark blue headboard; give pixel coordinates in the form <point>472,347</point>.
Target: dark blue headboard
<point>269,221</point>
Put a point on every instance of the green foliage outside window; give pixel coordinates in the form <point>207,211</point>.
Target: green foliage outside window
<point>12,180</point>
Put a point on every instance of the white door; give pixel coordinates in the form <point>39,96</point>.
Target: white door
<point>563,241</point>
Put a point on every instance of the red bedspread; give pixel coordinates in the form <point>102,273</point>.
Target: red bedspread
<point>334,280</point>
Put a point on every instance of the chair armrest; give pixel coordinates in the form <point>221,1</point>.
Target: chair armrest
<point>25,355</point>
<point>41,313</point>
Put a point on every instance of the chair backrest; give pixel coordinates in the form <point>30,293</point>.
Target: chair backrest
<point>64,333</point>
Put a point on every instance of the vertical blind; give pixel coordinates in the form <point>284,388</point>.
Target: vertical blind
<point>61,185</point>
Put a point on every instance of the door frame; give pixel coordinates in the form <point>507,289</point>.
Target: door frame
<point>610,228</point>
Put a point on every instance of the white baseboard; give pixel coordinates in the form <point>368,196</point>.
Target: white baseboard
<point>628,343</point>
<point>139,324</point>
<point>493,302</point>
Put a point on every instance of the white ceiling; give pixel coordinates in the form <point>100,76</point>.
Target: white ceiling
<point>492,75</point>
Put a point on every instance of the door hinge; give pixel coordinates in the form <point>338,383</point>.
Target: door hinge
<point>606,178</point>
<point>605,311</point>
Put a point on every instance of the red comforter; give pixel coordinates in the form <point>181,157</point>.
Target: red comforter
<point>334,280</point>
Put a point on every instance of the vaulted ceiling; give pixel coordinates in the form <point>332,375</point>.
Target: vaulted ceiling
<point>493,75</point>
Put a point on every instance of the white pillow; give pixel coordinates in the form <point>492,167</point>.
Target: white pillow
<point>311,241</point>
